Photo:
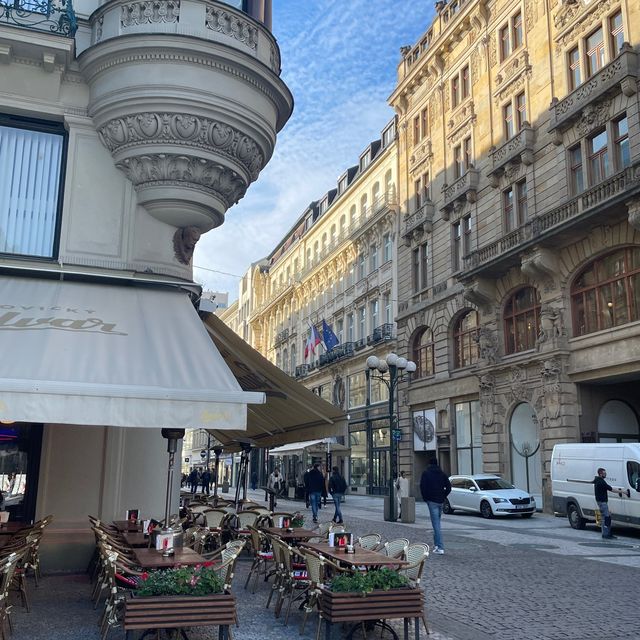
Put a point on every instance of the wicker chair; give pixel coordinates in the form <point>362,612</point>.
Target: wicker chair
<point>8,567</point>
<point>416,554</point>
<point>395,548</point>
<point>371,541</point>
<point>262,557</point>
<point>293,577</point>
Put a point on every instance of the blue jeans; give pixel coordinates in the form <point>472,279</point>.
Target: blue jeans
<point>606,518</point>
<point>435,513</point>
<point>314,499</point>
<point>337,499</point>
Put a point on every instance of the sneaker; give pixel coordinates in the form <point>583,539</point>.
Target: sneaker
<point>315,519</point>
<point>438,550</point>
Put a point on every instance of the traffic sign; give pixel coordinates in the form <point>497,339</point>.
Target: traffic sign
<point>203,454</point>
<point>396,434</point>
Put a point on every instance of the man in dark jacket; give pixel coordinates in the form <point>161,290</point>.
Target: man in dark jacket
<point>435,487</point>
<point>316,487</point>
<point>600,489</point>
<point>337,489</point>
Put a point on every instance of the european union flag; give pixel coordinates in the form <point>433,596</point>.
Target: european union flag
<point>330,338</point>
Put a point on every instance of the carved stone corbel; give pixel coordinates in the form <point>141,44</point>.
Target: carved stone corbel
<point>480,291</point>
<point>633,207</point>
<point>539,264</point>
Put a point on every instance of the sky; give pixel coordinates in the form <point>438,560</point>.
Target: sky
<point>339,59</point>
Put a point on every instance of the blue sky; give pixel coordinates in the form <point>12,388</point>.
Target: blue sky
<point>339,59</point>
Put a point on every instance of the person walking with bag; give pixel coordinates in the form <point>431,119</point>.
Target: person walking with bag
<point>316,487</point>
<point>435,487</point>
<point>337,489</point>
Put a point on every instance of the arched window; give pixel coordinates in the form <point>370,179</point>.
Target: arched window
<point>316,250</point>
<point>465,345</point>
<point>522,320</point>
<point>333,233</point>
<point>375,195</point>
<point>363,206</point>
<point>352,215</point>
<point>343,225</point>
<point>423,353</point>
<point>293,359</point>
<point>324,241</point>
<point>607,292</point>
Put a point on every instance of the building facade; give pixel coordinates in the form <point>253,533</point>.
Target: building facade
<point>519,186</point>
<point>127,129</point>
<point>336,264</point>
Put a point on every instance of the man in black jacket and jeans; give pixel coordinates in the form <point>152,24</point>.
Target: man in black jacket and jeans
<point>435,487</point>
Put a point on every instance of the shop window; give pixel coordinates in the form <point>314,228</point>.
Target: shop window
<point>522,320</point>
<point>356,389</point>
<point>468,437</point>
<point>423,353</point>
<point>606,293</point>
<point>465,340</point>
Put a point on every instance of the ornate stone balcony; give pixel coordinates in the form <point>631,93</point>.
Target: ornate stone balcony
<point>464,188</point>
<point>517,149</point>
<point>55,17</point>
<point>507,250</point>
<point>186,96</point>
<point>418,222</point>
<point>619,75</point>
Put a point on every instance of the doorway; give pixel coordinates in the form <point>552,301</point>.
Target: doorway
<point>526,464</point>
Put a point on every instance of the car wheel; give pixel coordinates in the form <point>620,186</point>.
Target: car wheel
<point>446,507</point>
<point>527,515</point>
<point>575,519</point>
<point>485,509</point>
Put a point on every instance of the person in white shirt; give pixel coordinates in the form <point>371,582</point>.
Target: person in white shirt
<point>402,489</point>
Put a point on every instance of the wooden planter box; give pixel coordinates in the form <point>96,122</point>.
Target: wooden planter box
<point>405,602</point>
<point>171,612</point>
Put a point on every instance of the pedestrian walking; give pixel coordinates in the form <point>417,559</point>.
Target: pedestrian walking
<point>193,480</point>
<point>316,487</point>
<point>205,479</point>
<point>337,489</point>
<point>402,488</point>
<point>305,481</point>
<point>275,484</point>
<point>254,480</point>
<point>435,487</point>
<point>600,489</point>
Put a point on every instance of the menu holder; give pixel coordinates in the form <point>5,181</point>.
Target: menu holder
<point>284,522</point>
<point>341,539</point>
<point>133,515</point>
<point>164,543</point>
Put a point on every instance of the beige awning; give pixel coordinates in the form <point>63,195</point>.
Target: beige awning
<point>312,446</point>
<point>292,413</point>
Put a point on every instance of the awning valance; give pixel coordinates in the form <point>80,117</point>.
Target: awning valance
<point>291,413</point>
<point>312,446</point>
<point>89,354</point>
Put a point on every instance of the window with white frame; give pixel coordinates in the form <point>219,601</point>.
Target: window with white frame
<point>350,328</point>
<point>460,86</point>
<point>462,159</point>
<point>340,330</point>
<point>421,187</point>
<point>32,155</point>
<point>461,241</point>
<point>510,36</point>
<point>596,49</point>
<point>374,311</point>
<point>514,115</point>
<point>362,322</point>
<point>387,247</point>
<point>514,206</point>
<point>388,309</point>
<point>373,258</point>
<point>361,266</point>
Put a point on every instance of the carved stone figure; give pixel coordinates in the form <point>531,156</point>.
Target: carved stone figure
<point>487,401</point>
<point>550,324</point>
<point>184,243</point>
<point>487,345</point>
<point>550,374</point>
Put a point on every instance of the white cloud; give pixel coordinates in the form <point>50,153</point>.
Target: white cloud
<point>339,59</point>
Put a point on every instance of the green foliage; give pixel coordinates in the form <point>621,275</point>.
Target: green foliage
<point>200,580</point>
<point>297,520</point>
<point>376,579</point>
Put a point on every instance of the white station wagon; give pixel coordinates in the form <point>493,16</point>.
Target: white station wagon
<point>488,495</point>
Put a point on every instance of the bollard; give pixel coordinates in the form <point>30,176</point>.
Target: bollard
<point>408,506</point>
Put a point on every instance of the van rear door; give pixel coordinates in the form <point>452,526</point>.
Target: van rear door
<point>632,503</point>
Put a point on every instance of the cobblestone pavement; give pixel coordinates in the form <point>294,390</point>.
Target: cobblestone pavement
<point>503,579</point>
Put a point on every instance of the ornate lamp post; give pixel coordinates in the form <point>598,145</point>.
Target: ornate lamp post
<point>391,371</point>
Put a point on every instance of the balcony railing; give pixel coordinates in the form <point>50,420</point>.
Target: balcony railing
<point>622,71</point>
<point>53,16</point>
<point>339,352</point>
<point>420,220</point>
<point>464,187</point>
<point>613,187</point>
<point>382,333</point>
<point>281,337</point>
<point>519,148</point>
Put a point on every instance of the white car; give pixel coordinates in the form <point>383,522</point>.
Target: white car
<point>488,495</point>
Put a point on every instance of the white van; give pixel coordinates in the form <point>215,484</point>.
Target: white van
<point>573,468</point>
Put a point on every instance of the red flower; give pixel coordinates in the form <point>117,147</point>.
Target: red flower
<point>144,575</point>
<point>209,563</point>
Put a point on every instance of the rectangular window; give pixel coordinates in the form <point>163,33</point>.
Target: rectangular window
<point>416,130</point>
<point>456,235</point>
<point>361,266</point>
<point>574,68</point>
<point>424,122</point>
<point>464,82</point>
<point>621,142</point>
<point>424,265</point>
<point>598,157</point>
<point>458,167</point>
<point>350,328</point>
<point>468,160</point>
<point>357,383</point>
<point>508,209</point>
<point>521,193</point>
<point>516,32</point>
<point>594,45</point>
<point>507,119</point>
<point>362,323</point>
<point>469,437</point>
<point>388,311</point>
<point>426,186</point>
<point>576,172</point>
<point>417,194</point>
<point>30,183</point>
<point>373,258</point>
<point>387,246</point>
<point>340,330</point>
<point>521,111</point>
<point>505,48</point>
<point>455,92</point>
<point>415,269</point>
<point>375,314</point>
<point>616,31</point>
<point>466,236</point>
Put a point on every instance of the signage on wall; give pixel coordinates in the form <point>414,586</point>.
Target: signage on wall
<point>424,430</point>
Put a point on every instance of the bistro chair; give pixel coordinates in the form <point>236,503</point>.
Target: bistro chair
<point>370,541</point>
<point>7,569</point>
<point>262,557</point>
<point>395,548</point>
<point>24,548</point>
<point>416,555</point>
<point>293,578</point>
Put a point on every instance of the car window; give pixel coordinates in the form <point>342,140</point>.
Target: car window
<point>493,484</point>
<point>468,484</point>
<point>633,474</point>
<point>457,483</point>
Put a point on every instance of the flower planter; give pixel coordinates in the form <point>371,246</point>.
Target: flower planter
<point>405,602</point>
<point>171,612</point>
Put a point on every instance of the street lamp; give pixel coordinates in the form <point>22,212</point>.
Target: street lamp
<point>398,369</point>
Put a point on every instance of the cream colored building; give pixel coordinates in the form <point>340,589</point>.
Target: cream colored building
<point>519,273</point>
<point>336,263</point>
<point>127,129</point>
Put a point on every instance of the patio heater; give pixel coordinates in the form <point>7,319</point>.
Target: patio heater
<point>172,436</point>
<point>216,470</point>
<point>243,474</point>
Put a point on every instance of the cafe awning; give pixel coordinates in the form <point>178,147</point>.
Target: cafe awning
<point>312,446</point>
<point>291,413</point>
<point>98,354</point>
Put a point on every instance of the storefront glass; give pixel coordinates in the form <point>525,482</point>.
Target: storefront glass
<point>359,467</point>
<point>469,437</point>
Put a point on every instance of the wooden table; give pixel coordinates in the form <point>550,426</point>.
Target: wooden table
<point>136,538</point>
<point>361,557</point>
<point>152,559</point>
<point>127,525</point>
<point>293,535</point>
<point>9,528</point>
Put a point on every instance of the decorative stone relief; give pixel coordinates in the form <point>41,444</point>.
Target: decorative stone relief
<point>229,24</point>
<point>567,14</point>
<point>539,263</point>
<point>487,345</point>
<point>593,116</point>
<point>518,383</point>
<point>461,122</point>
<point>141,129</point>
<point>512,87</point>
<point>184,243</point>
<point>150,12</point>
<point>493,53</point>
<point>633,208</point>
<point>176,170</point>
<point>421,153</point>
<point>550,374</point>
<point>487,385</point>
<point>519,64</point>
<point>551,325</point>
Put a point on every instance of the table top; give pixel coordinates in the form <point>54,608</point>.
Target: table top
<point>361,557</point>
<point>152,559</point>
<point>296,533</point>
<point>9,528</point>
<point>136,538</point>
<point>126,525</point>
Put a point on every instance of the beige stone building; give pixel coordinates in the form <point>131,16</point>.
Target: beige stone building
<point>519,266</point>
<point>336,263</point>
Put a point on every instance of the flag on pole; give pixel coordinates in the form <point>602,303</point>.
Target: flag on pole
<point>330,338</point>
<point>313,341</point>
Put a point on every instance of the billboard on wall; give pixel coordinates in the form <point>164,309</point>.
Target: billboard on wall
<point>424,430</point>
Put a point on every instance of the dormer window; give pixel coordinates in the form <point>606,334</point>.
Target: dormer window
<point>365,160</point>
<point>323,205</point>
<point>342,185</point>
